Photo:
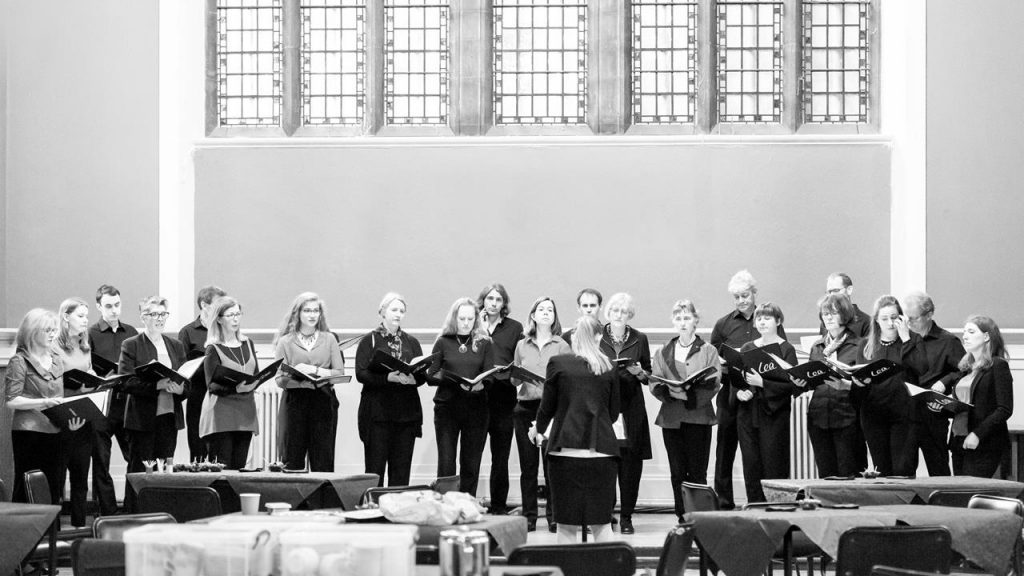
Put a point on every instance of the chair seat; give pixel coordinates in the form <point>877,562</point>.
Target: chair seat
<point>75,534</point>
<point>41,553</point>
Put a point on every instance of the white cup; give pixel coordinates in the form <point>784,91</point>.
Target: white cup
<point>250,503</point>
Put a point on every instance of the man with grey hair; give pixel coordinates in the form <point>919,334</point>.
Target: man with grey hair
<point>943,352</point>
<point>734,330</point>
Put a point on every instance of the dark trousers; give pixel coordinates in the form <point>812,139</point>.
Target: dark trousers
<point>932,439</point>
<point>892,440</point>
<point>631,469</point>
<point>159,442</point>
<point>461,428</point>
<point>500,431</point>
<point>229,448</point>
<point>311,424</point>
<point>530,458</point>
<point>36,451</point>
<point>75,455</point>
<point>388,446</point>
<point>193,408</point>
<point>834,450</point>
<point>764,449</point>
<point>689,449</point>
<point>725,450</point>
<point>102,483</point>
<point>981,462</point>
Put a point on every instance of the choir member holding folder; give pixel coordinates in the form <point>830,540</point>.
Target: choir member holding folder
<point>72,346</point>
<point>623,342</point>
<point>979,437</point>
<point>193,337</point>
<point>884,404</point>
<point>831,417</point>
<point>580,402</point>
<point>543,340</point>
<point>762,414</point>
<point>390,366</point>
<point>461,371</point>
<point>153,414</point>
<point>32,383</point>
<point>228,420</point>
<point>687,413</point>
<point>308,416</point>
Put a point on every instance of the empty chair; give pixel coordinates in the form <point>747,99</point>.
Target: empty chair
<point>372,495</point>
<point>445,484</point>
<point>924,548</point>
<point>113,527</point>
<point>676,551</point>
<point>92,557</point>
<point>800,546</point>
<point>1012,505</point>
<point>592,559</point>
<point>185,503</point>
<point>37,491</point>
<point>953,498</point>
<point>699,498</point>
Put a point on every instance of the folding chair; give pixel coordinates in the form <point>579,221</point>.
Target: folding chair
<point>924,548</point>
<point>591,559</point>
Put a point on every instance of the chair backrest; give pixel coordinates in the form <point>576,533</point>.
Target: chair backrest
<point>91,557</point>
<point>185,503</point>
<point>597,559</point>
<point>676,551</point>
<point>699,498</point>
<point>987,502</point>
<point>445,484</point>
<point>372,495</point>
<point>113,527</point>
<point>924,548</point>
<point>953,498</point>
<point>37,489</point>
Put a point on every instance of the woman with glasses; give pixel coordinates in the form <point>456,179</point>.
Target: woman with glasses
<point>460,407</point>
<point>34,382</point>
<point>390,413</point>
<point>153,414</point>
<point>228,420</point>
<point>629,347</point>
<point>309,412</point>
<point>831,417</point>
<point>978,437</point>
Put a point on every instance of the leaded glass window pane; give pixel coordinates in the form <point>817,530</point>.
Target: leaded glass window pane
<point>417,57</point>
<point>249,62</point>
<point>749,61</point>
<point>836,69</point>
<point>664,59</point>
<point>333,61</point>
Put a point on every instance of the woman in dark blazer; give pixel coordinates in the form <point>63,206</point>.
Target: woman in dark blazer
<point>620,340</point>
<point>390,415</point>
<point>581,399</point>
<point>831,418</point>
<point>979,437</point>
<point>153,415</point>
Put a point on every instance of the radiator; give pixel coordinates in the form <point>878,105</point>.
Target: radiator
<point>264,444</point>
<point>801,461</point>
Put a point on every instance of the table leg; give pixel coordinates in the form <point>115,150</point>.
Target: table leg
<point>787,553</point>
<point>52,568</point>
<point>703,560</point>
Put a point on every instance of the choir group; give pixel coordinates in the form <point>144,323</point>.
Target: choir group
<point>573,400</point>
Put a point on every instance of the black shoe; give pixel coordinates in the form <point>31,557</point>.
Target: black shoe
<point>626,525</point>
<point>552,527</point>
<point>531,525</point>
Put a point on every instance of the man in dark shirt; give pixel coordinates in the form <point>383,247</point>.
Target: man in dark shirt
<point>840,283</point>
<point>588,303</point>
<point>193,337</point>
<point>501,397</point>
<point>943,352</point>
<point>734,329</point>
<point>105,338</point>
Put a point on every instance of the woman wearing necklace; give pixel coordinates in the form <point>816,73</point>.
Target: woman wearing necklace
<point>33,382</point>
<point>460,409</point>
<point>308,416</point>
<point>831,417</point>
<point>686,417</point>
<point>390,415</point>
<point>763,409</point>
<point>543,340</point>
<point>152,416</point>
<point>228,419</point>
<point>621,341</point>
<point>885,406</point>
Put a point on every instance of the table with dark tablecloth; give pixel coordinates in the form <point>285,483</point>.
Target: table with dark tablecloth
<point>742,543</point>
<point>22,526</point>
<point>310,490</point>
<point>875,491</point>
